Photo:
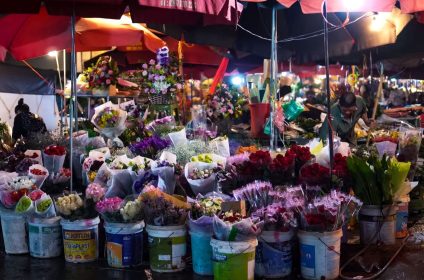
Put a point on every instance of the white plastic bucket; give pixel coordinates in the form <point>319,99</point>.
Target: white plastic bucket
<point>234,259</point>
<point>377,224</point>
<point>320,254</point>
<point>45,237</point>
<point>201,252</point>
<point>124,244</point>
<point>81,240</point>
<point>274,254</point>
<point>167,247</point>
<point>14,233</point>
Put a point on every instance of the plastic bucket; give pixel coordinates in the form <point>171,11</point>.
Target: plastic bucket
<point>45,237</point>
<point>81,240</point>
<point>14,233</point>
<point>377,224</point>
<point>124,244</point>
<point>274,254</point>
<point>402,217</point>
<point>233,259</point>
<point>259,112</point>
<point>167,247</point>
<point>320,254</point>
<point>201,251</point>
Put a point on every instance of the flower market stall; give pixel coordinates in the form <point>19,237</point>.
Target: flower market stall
<point>244,190</point>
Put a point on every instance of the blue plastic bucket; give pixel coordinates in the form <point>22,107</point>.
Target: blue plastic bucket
<point>14,233</point>
<point>45,237</point>
<point>201,250</point>
<point>274,254</point>
<point>124,244</point>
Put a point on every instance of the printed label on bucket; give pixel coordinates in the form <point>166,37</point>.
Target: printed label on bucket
<point>45,242</point>
<point>80,245</point>
<point>307,260</point>
<point>233,266</point>
<point>124,249</point>
<point>273,259</point>
<point>167,253</point>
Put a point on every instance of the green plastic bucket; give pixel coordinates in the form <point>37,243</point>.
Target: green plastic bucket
<point>234,259</point>
<point>167,247</point>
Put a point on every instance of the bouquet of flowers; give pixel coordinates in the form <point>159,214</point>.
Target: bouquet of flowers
<point>276,217</point>
<point>72,207</point>
<point>109,120</point>
<point>39,173</point>
<point>53,158</point>
<point>314,174</point>
<point>202,211</point>
<point>185,152</point>
<point>162,126</point>
<point>225,104</point>
<point>91,165</point>
<point>14,189</point>
<point>230,226</point>
<point>201,176</point>
<point>118,210</point>
<point>161,77</point>
<point>150,147</point>
<point>327,212</point>
<point>164,168</point>
<point>161,209</point>
<point>103,74</point>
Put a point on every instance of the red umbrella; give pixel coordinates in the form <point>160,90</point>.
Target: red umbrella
<point>186,12</point>
<point>27,36</point>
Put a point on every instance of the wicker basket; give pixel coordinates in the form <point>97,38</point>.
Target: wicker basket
<point>158,99</point>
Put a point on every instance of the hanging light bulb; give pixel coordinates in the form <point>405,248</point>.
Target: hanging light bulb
<point>52,54</point>
<point>378,22</point>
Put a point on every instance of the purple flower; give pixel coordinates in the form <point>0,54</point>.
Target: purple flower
<point>158,66</point>
<point>157,77</point>
<point>146,90</point>
<point>152,90</point>
<point>161,77</point>
<point>144,66</point>
<point>152,62</point>
<point>150,147</point>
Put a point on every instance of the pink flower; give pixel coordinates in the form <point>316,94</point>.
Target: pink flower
<point>223,110</point>
<point>230,111</point>
<point>152,62</point>
<point>179,86</point>
<point>110,72</point>
<point>109,205</point>
<point>95,192</point>
<point>108,81</point>
<point>158,67</point>
<point>144,66</point>
<point>87,164</point>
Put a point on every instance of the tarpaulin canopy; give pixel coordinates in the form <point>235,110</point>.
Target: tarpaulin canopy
<point>27,35</point>
<point>315,6</point>
<point>21,79</point>
<point>195,12</point>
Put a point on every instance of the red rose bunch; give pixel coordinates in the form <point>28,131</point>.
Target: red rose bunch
<point>302,154</point>
<point>314,174</point>
<point>261,158</point>
<point>340,166</point>
<point>55,150</point>
<point>282,163</point>
<point>36,171</point>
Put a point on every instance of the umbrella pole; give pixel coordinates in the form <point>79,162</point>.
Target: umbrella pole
<point>73,93</point>
<point>273,139</point>
<point>327,88</point>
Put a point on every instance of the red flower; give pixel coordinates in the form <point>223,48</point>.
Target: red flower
<point>261,158</point>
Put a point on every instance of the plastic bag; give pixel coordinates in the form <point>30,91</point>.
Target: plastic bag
<point>386,147</point>
<point>244,230</point>
<point>220,146</point>
<point>179,137</point>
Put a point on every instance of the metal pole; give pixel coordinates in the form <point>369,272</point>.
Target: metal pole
<point>272,83</point>
<point>327,85</point>
<point>73,93</point>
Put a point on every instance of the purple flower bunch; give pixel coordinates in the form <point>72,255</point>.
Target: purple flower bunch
<point>225,104</point>
<point>109,205</point>
<point>256,193</point>
<point>108,117</point>
<point>166,120</point>
<point>150,146</point>
<point>160,211</point>
<point>276,217</point>
<point>238,159</point>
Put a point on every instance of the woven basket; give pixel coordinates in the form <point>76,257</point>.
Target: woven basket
<point>165,99</point>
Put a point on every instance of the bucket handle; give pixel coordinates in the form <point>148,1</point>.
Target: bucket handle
<point>328,247</point>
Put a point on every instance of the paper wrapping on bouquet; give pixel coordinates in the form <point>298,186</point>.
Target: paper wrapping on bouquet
<point>34,155</point>
<point>203,225</point>
<point>25,206</point>
<point>323,157</point>
<point>386,147</point>
<point>220,146</point>
<point>39,179</point>
<point>202,186</point>
<point>120,184</point>
<point>114,131</point>
<point>240,231</point>
<point>53,163</point>
<point>179,137</point>
<point>166,178</point>
<point>128,106</point>
<point>50,212</point>
<point>100,153</point>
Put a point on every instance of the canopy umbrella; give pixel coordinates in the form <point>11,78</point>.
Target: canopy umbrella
<point>28,36</point>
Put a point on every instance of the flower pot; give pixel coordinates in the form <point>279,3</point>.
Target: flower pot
<point>81,240</point>
<point>274,254</point>
<point>377,223</point>
<point>167,248</point>
<point>259,112</point>
<point>233,259</point>
<point>320,254</point>
<point>124,244</point>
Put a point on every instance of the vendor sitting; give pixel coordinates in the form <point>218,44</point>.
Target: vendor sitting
<point>345,114</point>
<point>26,122</point>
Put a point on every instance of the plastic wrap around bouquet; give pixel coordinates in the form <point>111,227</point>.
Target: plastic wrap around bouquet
<point>39,173</point>
<point>221,146</point>
<point>179,137</point>
<point>200,176</point>
<point>165,170</point>
<point>109,120</point>
<point>210,158</point>
<point>386,147</point>
<point>53,158</point>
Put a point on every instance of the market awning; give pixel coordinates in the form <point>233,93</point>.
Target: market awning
<point>28,36</point>
<point>334,6</point>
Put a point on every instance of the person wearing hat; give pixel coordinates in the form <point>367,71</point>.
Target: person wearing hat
<point>26,122</point>
<point>345,113</point>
